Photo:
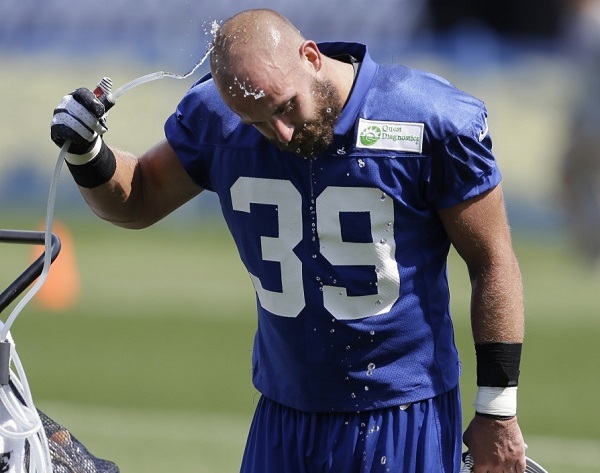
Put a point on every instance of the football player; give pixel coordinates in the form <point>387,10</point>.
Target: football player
<point>344,183</point>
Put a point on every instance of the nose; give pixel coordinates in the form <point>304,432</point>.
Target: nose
<point>283,130</point>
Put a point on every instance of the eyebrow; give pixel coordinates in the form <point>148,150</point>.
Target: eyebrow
<point>280,108</point>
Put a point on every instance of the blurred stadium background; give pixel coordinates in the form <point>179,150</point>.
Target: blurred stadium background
<point>151,366</point>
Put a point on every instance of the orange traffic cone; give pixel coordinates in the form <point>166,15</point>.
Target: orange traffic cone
<point>60,291</point>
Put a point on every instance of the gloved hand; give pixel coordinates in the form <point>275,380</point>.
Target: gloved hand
<point>81,118</point>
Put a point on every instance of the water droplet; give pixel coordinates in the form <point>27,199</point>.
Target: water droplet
<point>314,256</point>
<point>341,151</point>
<point>366,388</point>
<point>347,348</point>
<point>353,396</point>
<point>371,366</point>
<point>332,330</point>
<point>383,196</point>
<point>383,241</point>
<point>378,302</point>
<point>372,332</point>
<point>328,110</point>
<point>318,278</point>
<point>383,460</point>
<point>361,163</point>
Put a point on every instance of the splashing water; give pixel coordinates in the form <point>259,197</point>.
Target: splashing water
<point>247,89</point>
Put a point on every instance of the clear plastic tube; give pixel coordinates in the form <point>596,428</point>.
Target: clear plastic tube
<point>47,246</point>
<point>28,424</point>
<point>154,76</point>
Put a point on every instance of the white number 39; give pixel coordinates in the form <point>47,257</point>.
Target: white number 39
<point>379,253</point>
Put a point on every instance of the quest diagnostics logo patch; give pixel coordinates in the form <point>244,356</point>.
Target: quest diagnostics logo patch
<point>394,136</point>
<point>370,135</point>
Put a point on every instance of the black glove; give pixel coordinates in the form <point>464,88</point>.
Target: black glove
<point>81,118</point>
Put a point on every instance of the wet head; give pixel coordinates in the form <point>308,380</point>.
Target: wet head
<point>270,76</point>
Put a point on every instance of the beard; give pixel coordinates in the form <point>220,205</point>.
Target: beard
<point>316,135</point>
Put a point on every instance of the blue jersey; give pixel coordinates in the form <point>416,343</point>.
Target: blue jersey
<point>346,250</point>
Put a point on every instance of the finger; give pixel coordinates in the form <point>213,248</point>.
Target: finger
<point>87,98</point>
<point>80,112</point>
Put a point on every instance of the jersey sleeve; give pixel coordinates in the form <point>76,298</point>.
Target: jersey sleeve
<point>463,166</point>
<point>183,140</point>
<point>198,126</point>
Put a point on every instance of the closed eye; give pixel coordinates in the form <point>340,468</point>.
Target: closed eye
<point>284,109</point>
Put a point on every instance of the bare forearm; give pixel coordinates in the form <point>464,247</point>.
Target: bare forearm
<point>497,310</point>
<point>142,190</point>
<point>118,201</point>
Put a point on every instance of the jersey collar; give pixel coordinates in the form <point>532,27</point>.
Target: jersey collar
<point>362,82</point>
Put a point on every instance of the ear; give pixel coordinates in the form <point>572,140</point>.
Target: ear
<point>309,52</point>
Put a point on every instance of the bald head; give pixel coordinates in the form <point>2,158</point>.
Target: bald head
<point>274,79</point>
<point>250,39</point>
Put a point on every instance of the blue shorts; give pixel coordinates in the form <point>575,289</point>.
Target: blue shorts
<point>425,437</point>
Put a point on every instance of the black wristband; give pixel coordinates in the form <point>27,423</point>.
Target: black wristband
<point>498,364</point>
<point>96,172</point>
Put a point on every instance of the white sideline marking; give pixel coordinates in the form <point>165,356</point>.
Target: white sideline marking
<point>149,424</point>
<point>583,453</point>
<point>219,431</point>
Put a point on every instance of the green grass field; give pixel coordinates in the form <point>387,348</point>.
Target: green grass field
<point>151,369</point>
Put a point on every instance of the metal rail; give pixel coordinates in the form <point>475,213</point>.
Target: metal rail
<point>34,270</point>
